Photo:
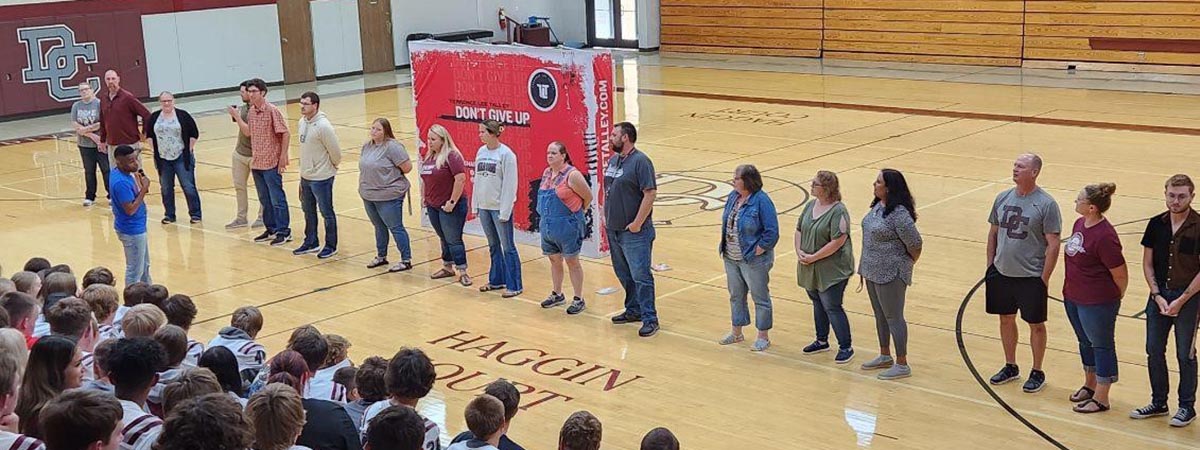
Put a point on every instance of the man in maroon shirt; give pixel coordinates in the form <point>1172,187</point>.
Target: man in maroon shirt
<point>119,113</point>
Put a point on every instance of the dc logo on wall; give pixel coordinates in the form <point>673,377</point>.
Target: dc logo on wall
<point>60,62</point>
<point>543,90</point>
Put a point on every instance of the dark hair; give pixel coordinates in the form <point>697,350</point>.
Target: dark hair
<point>562,149</point>
<point>750,177</point>
<point>36,264</point>
<point>175,343</point>
<point>193,383</point>
<point>207,422</point>
<point>628,130</point>
<point>244,84</point>
<point>507,393</point>
<point>288,367</point>
<point>135,294</point>
<point>312,97</point>
<point>79,418</point>
<point>157,295</point>
<point>581,431</point>
<point>43,378</point>
<point>180,310</point>
<point>70,317</point>
<point>484,416</point>
<point>660,439</point>
<point>18,305</point>
<point>313,348</point>
<point>370,379</point>
<point>345,376</point>
<point>124,151</point>
<point>224,365</point>
<point>100,354</point>
<point>62,283</point>
<point>397,428</point>
<point>493,127</point>
<point>387,127</point>
<point>99,275</point>
<point>133,363</point>
<point>257,83</point>
<point>410,374</point>
<point>897,193</point>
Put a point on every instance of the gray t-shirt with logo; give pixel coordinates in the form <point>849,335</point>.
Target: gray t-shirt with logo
<point>1024,222</point>
<point>85,113</point>
<point>625,180</point>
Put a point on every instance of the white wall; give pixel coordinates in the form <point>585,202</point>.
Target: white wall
<point>337,44</point>
<point>567,17</point>
<point>212,49</point>
<point>649,24</point>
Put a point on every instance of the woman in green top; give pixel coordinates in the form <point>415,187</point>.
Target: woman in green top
<point>826,262</point>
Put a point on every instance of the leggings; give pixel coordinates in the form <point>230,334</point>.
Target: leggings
<point>888,302</point>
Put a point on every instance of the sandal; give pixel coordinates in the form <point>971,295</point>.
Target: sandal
<point>1081,408</point>
<point>400,267</point>
<point>465,280</point>
<point>443,273</point>
<point>1083,394</point>
<point>491,287</point>
<point>377,262</point>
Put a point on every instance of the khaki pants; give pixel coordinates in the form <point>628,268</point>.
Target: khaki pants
<point>241,173</point>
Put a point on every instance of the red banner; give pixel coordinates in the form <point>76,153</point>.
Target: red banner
<point>541,95</point>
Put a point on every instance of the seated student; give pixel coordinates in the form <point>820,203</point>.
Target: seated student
<point>100,381</point>
<point>322,385</point>
<point>224,365</point>
<point>660,439</point>
<point>328,427</point>
<point>133,295</point>
<point>396,428</point>
<point>193,383</point>
<point>53,367</point>
<point>174,343</point>
<point>409,378</point>
<point>98,275</point>
<point>71,317</point>
<point>308,331</point>
<point>485,418</point>
<point>102,299</point>
<point>7,285</point>
<point>133,368</point>
<point>142,321</point>
<point>57,286</point>
<point>181,311</point>
<point>581,431</point>
<point>238,337</point>
<point>345,377</point>
<point>277,414</point>
<point>368,388</point>
<point>157,295</point>
<point>28,282</point>
<point>83,420</point>
<point>211,421</point>
<point>508,395</point>
<point>22,312</point>
<point>10,385</point>
<point>37,264</point>
<point>12,343</point>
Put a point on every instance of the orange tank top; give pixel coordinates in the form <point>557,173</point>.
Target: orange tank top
<point>563,189</point>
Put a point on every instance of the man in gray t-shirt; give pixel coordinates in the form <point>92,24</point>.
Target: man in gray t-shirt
<point>85,118</point>
<point>629,191</point>
<point>1022,251</point>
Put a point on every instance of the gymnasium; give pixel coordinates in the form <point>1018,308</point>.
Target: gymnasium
<point>655,220</point>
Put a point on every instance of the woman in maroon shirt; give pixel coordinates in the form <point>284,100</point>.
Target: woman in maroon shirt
<point>443,174</point>
<point>1096,281</point>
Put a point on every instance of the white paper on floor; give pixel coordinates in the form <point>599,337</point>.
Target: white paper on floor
<point>606,290</point>
<point>661,267</point>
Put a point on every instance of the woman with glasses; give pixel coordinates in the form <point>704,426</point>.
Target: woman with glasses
<point>749,232</point>
<point>826,262</point>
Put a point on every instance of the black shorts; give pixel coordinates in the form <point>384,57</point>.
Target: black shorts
<point>1008,295</point>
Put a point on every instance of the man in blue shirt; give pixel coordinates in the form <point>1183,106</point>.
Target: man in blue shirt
<point>128,187</point>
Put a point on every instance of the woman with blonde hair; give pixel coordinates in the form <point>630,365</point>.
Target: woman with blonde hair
<point>382,184</point>
<point>443,175</point>
<point>826,262</point>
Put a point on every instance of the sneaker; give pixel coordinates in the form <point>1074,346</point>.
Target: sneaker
<point>281,239</point>
<point>650,328</point>
<point>553,300</point>
<point>1035,383</point>
<point>896,372</point>
<point>1009,373</point>
<point>880,362</point>
<point>626,317</point>
<point>168,221</point>
<point>760,345</point>
<point>844,355</point>
<point>577,306</point>
<point>306,249</point>
<point>1149,411</point>
<point>265,236</point>
<point>1184,417</point>
<point>194,220</point>
<point>237,223</point>
<point>87,203</point>
<point>400,267</point>
<point>377,262</point>
<point>257,224</point>
<point>816,347</point>
<point>326,253</point>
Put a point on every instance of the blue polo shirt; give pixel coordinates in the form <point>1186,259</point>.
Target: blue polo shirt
<point>124,189</point>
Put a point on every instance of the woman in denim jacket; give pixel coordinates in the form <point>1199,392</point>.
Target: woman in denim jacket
<point>749,232</point>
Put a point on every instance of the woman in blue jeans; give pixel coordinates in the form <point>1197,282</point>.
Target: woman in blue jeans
<point>493,197</point>
<point>826,262</point>
<point>382,186</point>
<point>749,232</point>
<point>1096,280</point>
<point>443,176</point>
<point>174,133</point>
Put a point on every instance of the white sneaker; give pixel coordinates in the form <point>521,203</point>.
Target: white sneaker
<point>87,203</point>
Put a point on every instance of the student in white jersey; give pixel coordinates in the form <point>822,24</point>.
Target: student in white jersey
<point>239,336</point>
<point>409,378</point>
<point>322,384</point>
<point>493,197</point>
<point>10,384</point>
<point>133,368</point>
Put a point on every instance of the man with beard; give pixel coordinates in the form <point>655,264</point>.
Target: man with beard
<point>630,188</point>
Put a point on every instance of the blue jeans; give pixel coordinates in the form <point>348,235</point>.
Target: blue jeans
<point>506,263</point>
<point>751,277</point>
<point>269,184</point>
<point>169,171</point>
<point>1158,329</point>
<point>1094,326</point>
<point>388,216</point>
<point>314,195</point>
<point>827,311</point>
<point>449,229</point>
<point>137,258</point>
<point>631,256</point>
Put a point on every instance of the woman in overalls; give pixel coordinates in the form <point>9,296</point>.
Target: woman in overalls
<point>562,198</point>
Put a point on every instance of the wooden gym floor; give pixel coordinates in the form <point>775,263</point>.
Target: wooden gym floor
<point>954,141</point>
